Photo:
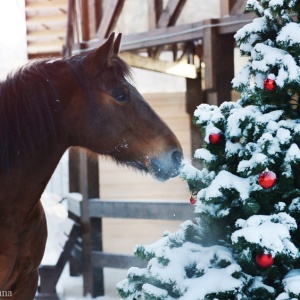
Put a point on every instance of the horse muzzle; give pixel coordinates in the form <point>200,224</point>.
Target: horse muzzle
<point>166,165</point>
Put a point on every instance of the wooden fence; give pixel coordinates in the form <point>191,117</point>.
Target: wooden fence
<point>94,259</point>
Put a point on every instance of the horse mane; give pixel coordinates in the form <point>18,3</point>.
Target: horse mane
<point>28,101</point>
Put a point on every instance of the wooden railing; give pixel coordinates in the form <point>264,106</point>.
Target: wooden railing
<point>98,209</point>
<point>93,278</point>
<point>50,274</point>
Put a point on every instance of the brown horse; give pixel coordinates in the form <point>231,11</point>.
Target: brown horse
<point>48,106</point>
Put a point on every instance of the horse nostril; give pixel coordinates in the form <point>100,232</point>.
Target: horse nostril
<point>176,156</point>
<point>167,165</point>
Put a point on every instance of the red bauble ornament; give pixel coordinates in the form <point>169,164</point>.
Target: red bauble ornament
<point>216,138</point>
<point>267,179</point>
<point>264,260</point>
<point>193,200</point>
<point>270,85</point>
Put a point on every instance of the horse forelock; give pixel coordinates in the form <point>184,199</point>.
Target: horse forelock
<point>122,68</point>
<point>28,108</point>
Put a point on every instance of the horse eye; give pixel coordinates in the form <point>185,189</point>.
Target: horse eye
<point>122,98</point>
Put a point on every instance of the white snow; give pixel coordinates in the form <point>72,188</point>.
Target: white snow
<point>232,148</point>
<point>204,112</point>
<point>256,159</point>
<point>204,259</point>
<point>293,153</point>
<point>204,154</point>
<point>154,291</point>
<point>213,281</point>
<point>276,3</point>
<point>268,139</point>
<point>190,172</point>
<point>289,34</point>
<point>270,232</point>
<point>251,31</point>
<point>291,282</point>
<point>280,206</point>
<point>295,205</point>
<point>258,283</point>
<point>57,223</point>
<point>227,180</point>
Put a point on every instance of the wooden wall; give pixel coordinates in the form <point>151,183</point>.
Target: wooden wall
<point>117,182</point>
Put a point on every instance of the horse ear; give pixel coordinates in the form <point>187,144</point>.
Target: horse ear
<point>117,44</point>
<point>105,52</point>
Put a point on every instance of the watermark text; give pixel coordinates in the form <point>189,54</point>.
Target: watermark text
<point>6,294</point>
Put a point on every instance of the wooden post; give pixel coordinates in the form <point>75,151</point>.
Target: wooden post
<point>194,97</point>
<point>70,29</point>
<point>219,64</point>
<point>210,48</point>
<point>84,178</point>
<point>74,170</point>
<point>224,67</point>
<point>110,17</point>
<point>85,223</point>
<point>226,6</point>
<point>217,53</point>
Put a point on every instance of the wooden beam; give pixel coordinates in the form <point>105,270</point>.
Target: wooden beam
<point>85,21</point>
<point>92,18</point>
<point>231,24</point>
<point>168,18</point>
<point>171,35</point>
<point>226,6</point>
<point>155,8</point>
<point>98,12</point>
<point>110,18</point>
<point>238,7</point>
<point>119,261</point>
<point>131,209</point>
<point>171,13</point>
<point>210,47</point>
<point>174,68</point>
<point>70,29</point>
<point>140,210</point>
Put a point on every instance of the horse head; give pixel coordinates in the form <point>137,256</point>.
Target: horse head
<point>110,117</point>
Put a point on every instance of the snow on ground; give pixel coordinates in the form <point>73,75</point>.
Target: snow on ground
<point>70,288</point>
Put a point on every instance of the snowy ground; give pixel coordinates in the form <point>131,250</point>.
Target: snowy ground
<point>70,288</point>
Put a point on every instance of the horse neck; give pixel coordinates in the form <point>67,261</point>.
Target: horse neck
<point>23,186</point>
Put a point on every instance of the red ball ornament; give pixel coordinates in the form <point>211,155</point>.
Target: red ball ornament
<point>193,200</point>
<point>216,138</point>
<point>264,260</point>
<point>270,85</point>
<point>267,179</point>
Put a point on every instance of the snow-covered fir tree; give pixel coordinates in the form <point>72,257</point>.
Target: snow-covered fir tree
<point>244,242</point>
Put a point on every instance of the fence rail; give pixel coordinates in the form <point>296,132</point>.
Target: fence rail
<point>98,209</point>
<point>132,210</point>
